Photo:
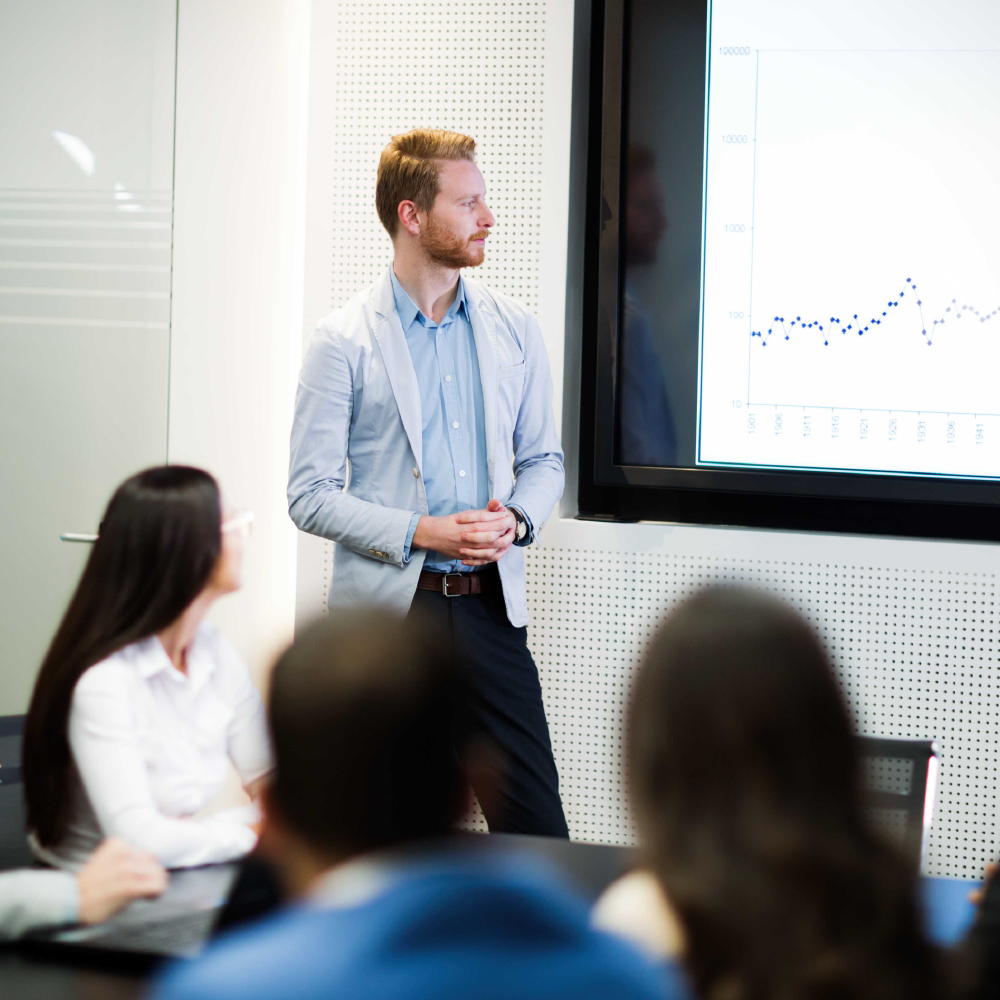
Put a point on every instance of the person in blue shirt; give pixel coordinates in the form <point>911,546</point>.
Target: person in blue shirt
<point>373,745</point>
<point>434,391</point>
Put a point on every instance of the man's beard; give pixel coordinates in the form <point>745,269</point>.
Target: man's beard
<point>445,248</point>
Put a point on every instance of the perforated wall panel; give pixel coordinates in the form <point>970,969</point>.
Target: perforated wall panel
<point>473,67</point>
<point>915,651</point>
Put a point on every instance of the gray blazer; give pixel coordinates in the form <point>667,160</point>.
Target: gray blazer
<point>358,408</point>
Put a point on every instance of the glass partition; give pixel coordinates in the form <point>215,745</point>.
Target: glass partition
<point>86,178</point>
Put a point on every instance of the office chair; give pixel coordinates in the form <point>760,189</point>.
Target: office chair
<point>14,850</point>
<point>900,780</point>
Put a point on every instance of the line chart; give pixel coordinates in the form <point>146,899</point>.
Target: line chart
<point>851,290</point>
<point>909,355</point>
<point>860,326</point>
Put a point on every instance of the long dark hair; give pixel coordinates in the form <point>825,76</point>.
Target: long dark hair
<point>746,782</point>
<point>159,542</point>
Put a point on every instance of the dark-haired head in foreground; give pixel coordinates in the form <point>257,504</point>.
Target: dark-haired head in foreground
<point>746,782</point>
<point>367,717</point>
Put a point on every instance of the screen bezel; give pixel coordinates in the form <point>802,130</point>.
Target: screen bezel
<point>915,506</point>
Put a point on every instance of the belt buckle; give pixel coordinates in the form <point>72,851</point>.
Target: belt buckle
<point>444,584</point>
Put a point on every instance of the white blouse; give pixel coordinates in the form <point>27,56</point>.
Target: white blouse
<point>152,747</point>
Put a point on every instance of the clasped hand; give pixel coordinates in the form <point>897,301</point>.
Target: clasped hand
<point>477,537</point>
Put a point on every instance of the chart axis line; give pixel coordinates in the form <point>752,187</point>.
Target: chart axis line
<point>874,409</point>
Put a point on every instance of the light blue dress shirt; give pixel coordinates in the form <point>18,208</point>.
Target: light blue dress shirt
<point>451,406</point>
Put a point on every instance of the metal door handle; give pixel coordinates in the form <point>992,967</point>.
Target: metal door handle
<point>70,536</point>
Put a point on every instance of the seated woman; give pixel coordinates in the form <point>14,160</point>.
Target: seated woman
<point>140,705</point>
<point>764,872</point>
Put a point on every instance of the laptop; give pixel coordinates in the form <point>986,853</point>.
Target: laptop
<point>198,904</point>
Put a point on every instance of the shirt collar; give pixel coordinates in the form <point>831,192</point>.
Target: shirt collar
<point>408,311</point>
<point>355,882</point>
<point>151,659</point>
<point>149,655</point>
<point>362,878</point>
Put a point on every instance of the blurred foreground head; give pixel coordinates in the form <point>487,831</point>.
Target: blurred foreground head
<point>745,778</point>
<point>366,715</point>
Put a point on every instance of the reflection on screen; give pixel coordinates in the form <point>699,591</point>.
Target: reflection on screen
<point>646,435</point>
<point>660,235</point>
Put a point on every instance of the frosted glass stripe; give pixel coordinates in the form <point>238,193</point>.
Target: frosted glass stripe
<point>85,223</point>
<point>48,265</point>
<point>108,195</point>
<point>111,206</point>
<point>106,293</point>
<point>60,321</point>
<point>84,244</point>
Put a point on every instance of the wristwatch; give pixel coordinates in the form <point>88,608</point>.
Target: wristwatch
<point>521,531</point>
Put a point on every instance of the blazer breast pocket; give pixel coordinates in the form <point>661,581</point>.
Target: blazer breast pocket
<point>378,403</point>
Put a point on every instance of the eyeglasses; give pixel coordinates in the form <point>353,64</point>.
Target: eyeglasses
<point>241,523</point>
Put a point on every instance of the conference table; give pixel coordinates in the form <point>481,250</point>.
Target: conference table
<point>586,868</point>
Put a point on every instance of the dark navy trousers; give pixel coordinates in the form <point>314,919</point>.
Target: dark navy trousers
<point>506,702</point>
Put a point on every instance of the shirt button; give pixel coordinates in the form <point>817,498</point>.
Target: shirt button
<point>447,378</point>
<point>461,472</point>
<point>416,473</point>
<point>454,423</point>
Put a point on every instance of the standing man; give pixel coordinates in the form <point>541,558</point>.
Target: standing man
<point>436,390</point>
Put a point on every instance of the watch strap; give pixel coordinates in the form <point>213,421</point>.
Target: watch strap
<point>521,531</point>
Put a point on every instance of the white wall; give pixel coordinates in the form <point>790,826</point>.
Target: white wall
<point>239,187</point>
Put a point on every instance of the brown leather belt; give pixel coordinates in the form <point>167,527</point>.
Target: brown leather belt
<point>460,584</point>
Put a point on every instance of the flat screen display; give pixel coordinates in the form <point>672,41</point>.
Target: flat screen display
<point>810,238</point>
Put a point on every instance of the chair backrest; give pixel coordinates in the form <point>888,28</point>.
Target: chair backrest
<point>14,850</point>
<point>11,734</point>
<point>900,777</point>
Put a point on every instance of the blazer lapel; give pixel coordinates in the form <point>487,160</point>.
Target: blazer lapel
<point>484,331</point>
<point>388,332</point>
